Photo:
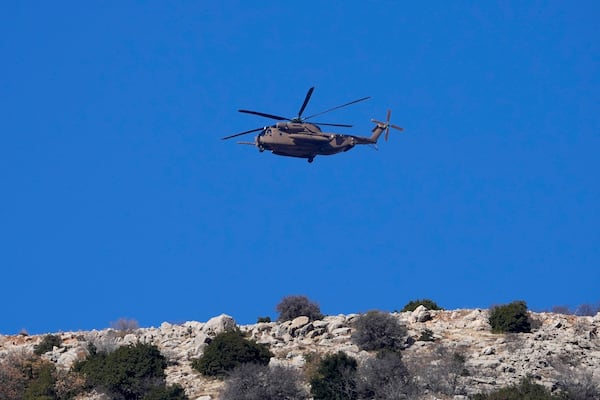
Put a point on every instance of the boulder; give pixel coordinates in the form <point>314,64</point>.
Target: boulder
<point>219,324</point>
<point>421,314</point>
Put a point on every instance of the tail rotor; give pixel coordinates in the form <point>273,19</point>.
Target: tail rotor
<point>387,125</point>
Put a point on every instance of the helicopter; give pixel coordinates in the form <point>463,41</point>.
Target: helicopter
<point>293,137</point>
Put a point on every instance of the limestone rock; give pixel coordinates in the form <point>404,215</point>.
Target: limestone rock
<point>421,314</point>
<point>219,324</point>
<point>492,360</point>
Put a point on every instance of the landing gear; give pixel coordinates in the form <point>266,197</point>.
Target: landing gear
<point>310,159</point>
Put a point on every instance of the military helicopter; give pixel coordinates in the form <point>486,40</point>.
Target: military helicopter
<point>293,137</point>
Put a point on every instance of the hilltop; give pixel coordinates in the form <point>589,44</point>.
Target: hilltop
<point>560,348</point>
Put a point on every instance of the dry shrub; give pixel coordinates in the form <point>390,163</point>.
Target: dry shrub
<point>125,325</point>
<point>254,381</point>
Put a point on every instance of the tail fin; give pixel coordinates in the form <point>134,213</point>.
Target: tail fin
<point>383,126</point>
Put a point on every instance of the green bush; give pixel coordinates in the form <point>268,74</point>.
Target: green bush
<point>129,372</point>
<point>525,390</point>
<point>228,350</point>
<point>377,330</point>
<point>512,317</point>
<point>263,319</point>
<point>47,344</point>
<point>173,392</point>
<point>291,307</point>
<point>426,336</point>
<point>41,386</point>
<point>413,304</point>
<point>335,378</point>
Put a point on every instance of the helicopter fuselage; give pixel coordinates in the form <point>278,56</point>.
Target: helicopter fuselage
<point>302,140</point>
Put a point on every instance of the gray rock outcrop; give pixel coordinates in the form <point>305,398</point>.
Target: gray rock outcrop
<point>559,346</point>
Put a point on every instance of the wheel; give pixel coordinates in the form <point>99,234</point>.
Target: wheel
<point>311,159</point>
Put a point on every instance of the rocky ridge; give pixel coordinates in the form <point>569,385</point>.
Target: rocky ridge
<point>558,345</point>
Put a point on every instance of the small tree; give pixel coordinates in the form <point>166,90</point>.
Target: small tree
<point>129,372</point>
<point>511,317</point>
<point>291,307</point>
<point>228,350</point>
<point>427,303</point>
<point>335,378</point>
<point>377,330</point>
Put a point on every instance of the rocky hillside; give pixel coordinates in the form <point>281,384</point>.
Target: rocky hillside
<point>560,347</point>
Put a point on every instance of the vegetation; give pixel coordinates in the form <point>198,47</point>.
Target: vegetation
<point>525,390</point>
<point>292,307</point>
<point>263,319</point>
<point>511,317</point>
<point>441,370</point>
<point>384,377</point>
<point>125,325</point>
<point>41,386</point>
<point>47,344</point>
<point>426,336</point>
<point>26,376</point>
<point>252,381</point>
<point>583,310</point>
<point>129,372</point>
<point>335,378</point>
<point>229,350</point>
<point>173,392</point>
<point>427,303</point>
<point>377,330</point>
<point>137,371</point>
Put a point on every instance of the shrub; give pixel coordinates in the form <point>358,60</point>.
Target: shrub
<point>377,330</point>
<point>12,381</point>
<point>291,307</point>
<point>47,344</point>
<point>173,392</point>
<point>16,371</point>
<point>335,378</point>
<point>511,317</point>
<point>129,372</point>
<point>124,325</point>
<point>413,304</point>
<point>426,336</point>
<point>252,381</point>
<point>525,390</point>
<point>41,386</point>
<point>587,310</point>
<point>384,377</point>
<point>575,383</point>
<point>561,310</point>
<point>263,319</point>
<point>228,350</point>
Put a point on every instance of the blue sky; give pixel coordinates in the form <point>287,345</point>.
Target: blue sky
<point>120,200</point>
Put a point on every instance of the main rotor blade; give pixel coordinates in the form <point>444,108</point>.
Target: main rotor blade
<point>277,117</point>
<point>326,124</point>
<point>335,108</point>
<point>306,99</point>
<point>242,133</point>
